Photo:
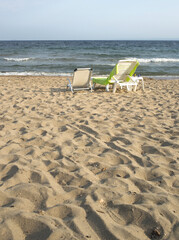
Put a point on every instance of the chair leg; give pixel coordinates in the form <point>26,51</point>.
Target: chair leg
<point>135,87</point>
<point>129,88</point>
<point>91,86</point>
<point>142,84</point>
<point>107,88</point>
<point>71,88</point>
<point>114,87</point>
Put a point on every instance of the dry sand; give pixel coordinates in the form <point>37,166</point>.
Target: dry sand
<point>89,165</point>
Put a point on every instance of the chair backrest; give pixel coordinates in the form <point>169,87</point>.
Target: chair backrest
<point>81,78</point>
<point>122,69</point>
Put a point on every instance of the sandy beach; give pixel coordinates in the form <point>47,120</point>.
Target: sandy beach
<point>98,166</point>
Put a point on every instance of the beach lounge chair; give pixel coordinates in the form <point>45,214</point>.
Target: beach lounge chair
<point>121,75</point>
<point>81,79</point>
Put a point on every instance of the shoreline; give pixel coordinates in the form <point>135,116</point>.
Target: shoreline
<point>161,77</point>
<point>88,165</point>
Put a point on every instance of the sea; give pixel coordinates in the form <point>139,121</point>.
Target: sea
<point>159,59</point>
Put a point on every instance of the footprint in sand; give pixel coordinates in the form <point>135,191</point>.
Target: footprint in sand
<point>150,150</point>
<point>10,173</point>
<point>136,216</point>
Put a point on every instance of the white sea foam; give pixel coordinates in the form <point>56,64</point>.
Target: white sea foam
<point>33,74</point>
<point>154,60</point>
<point>17,59</point>
<point>165,77</point>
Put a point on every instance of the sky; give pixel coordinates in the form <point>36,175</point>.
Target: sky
<point>89,20</point>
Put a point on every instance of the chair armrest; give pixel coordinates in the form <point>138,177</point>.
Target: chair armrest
<point>134,79</point>
<point>115,80</point>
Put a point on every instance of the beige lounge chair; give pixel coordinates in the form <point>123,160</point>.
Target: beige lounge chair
<point>81,79</point>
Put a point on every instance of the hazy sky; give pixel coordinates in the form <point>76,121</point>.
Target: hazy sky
<point>89,20</point>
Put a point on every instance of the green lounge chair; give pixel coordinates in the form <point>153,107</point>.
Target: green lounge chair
<point>122,75</point>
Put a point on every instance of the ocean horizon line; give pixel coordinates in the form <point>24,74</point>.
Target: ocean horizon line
<point>73,40</point>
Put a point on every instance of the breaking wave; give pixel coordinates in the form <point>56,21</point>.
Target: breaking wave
<point>17,59</point>
<point>155,60</point>
<point>33,74</point>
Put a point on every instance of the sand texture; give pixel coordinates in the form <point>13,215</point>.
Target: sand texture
<point>98,166</point>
